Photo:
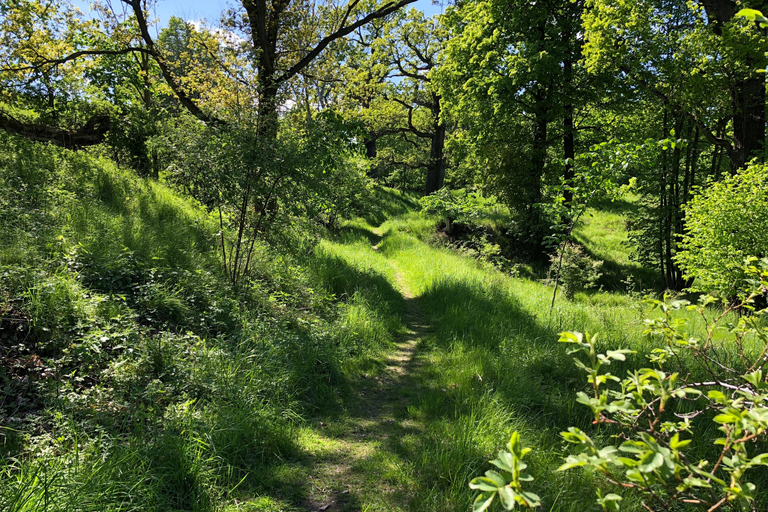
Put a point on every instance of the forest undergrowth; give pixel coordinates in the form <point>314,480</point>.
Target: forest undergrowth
<point>366,368</point>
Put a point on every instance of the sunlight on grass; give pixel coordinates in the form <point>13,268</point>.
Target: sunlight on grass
<point>373,367</point>
<point>603,232</point>
<point>495,366</point>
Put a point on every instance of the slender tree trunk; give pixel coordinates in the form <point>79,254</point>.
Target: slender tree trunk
<point>673,213</point>
<point>663,202</point>
<point>436,169</point>
<point>370,140</point>
<point>748,100</point>
<point>149,106</point>
<point>747,94</point>
<point>569,147</point>
<point>538,160</point>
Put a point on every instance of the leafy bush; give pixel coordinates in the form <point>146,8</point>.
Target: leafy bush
<point>577,271</point>
<point>726,223</point>
<point>660,416</point>
<point>459,206</point>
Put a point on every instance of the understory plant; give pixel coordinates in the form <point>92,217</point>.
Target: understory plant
<point>725,223</point>
<point>460,206</point>
<point>708,374</point>
<point>576,270</point>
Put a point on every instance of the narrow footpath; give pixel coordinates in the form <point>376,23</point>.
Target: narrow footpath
<point>362,464</point>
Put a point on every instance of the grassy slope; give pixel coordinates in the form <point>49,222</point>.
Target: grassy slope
<point>490,365</point>
<point>133,378</point>
<point>603,233</point>
<point>496,367</point>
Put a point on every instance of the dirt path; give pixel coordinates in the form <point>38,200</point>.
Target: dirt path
<point>360,463</point>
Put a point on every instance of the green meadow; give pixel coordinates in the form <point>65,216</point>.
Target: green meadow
<point>370,367</point>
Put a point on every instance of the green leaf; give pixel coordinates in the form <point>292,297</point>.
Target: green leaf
<point>676,444</point>
<point>505,461</point>
<point>619,355</point>
<point>507,497</point>
<point>482,483</point>
<point>716,395</point>
<point>650,461</point>
<point>752,15</point>
<point>483,501</point>
<point>499,480</point>
<point>572,462</point>
<point>609,502</point>
<point>727,417</point>
<point>571,337</point>
<point>531,499</point>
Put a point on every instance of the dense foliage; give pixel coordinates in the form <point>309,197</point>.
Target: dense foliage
<point>726,224</point>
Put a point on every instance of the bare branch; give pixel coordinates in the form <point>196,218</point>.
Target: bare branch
<point>381,12</point>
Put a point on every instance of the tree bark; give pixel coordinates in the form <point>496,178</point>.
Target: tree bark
<point>748,99</point>
<point>569,147</point>
<point>538,160</point>
<point>747,94</point>
<point>91,133</point>
<point>370,147</point>
<point>436,169</point>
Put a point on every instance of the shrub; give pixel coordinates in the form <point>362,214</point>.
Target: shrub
<point>725,224</point>
<point>577,271</point>
<point>459,206</point>
<point>661,417</point>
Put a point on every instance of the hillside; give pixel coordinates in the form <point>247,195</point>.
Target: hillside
<point>360,369</point>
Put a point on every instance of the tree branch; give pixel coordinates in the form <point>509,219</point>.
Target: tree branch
<point>73,56</point>
<point>182,96</point>
<point>381,12</point>
<point>91,133</point>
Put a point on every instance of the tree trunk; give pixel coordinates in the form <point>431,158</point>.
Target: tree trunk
<point>538,161</point>
<point>748,99</point>
<point>436,169</point>
<point>370,147</point>
<point>747,94</point>
<point>93,132</point>
<point>267,112</point>
<point>569,147</point>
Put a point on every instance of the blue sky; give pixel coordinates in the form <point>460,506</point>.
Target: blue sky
<point>211,9</point>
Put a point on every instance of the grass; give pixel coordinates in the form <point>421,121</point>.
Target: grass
<point>495,366</point>
<point>132,377</point>
<point>603,233</point>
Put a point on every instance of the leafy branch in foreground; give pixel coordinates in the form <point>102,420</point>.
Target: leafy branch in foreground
<point>657,413</point>
<point>507,483</point>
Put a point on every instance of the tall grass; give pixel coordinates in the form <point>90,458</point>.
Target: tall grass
<point>495,366</point>
<point>132,376</point>
<point>603,232</point>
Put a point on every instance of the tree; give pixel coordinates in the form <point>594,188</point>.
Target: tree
<point>510,74</point>
<point>42,95</point>
<point>415,54</point>
<point>266,24</point>
<point>698,59</point>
